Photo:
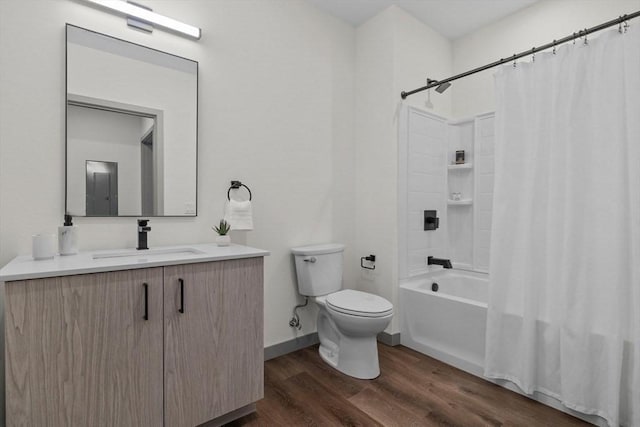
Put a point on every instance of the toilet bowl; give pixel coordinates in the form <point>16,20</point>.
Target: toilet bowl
<point>348,320</point>
<point>348,334</point>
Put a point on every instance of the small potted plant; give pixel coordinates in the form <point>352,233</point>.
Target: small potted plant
<point>223,238</point>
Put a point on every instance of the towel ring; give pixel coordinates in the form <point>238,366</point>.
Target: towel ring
<point>234,186</point>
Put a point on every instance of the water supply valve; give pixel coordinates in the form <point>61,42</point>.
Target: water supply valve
<point>295,320</point>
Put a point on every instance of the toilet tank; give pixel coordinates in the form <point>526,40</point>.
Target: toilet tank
<point>319,268</point>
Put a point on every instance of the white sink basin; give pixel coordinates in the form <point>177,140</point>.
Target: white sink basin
<point>132,253</point>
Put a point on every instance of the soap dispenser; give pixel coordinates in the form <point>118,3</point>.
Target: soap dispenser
<point>68,237</point>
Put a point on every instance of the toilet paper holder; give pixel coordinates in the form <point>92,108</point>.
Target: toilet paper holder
<point>371,259</point>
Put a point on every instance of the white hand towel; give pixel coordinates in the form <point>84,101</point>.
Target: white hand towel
<point>239,215</point>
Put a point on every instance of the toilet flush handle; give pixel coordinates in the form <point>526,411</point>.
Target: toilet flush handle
<point>310,259</point>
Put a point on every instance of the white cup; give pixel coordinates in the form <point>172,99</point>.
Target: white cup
<point>43,246</point>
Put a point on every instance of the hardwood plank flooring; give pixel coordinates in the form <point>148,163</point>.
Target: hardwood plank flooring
<point>412,390</point>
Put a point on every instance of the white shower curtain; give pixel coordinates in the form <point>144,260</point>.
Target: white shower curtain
<point>564,306</point>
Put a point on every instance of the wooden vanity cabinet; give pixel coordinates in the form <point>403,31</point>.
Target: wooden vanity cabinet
<point>213,347</point>
<point>79,351</point>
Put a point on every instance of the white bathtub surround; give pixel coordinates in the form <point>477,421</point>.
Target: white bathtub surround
<point>563,316</point>
<point>428,179</point>
<point>422,166</point>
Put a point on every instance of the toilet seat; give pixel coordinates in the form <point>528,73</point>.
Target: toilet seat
<point>357,303</point>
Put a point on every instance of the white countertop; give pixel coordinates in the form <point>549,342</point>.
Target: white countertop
<point>25,267</point>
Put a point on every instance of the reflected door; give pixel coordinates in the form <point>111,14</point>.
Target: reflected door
<point>102,188</point>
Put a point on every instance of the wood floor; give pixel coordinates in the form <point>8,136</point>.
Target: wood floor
<point>413,390</point>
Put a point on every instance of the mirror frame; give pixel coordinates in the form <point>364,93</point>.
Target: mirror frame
<point>66,124</point>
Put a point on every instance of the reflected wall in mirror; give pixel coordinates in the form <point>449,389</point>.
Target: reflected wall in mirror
<point>131,129</point>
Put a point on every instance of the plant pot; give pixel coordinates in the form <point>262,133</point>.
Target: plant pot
<point>223,240</point>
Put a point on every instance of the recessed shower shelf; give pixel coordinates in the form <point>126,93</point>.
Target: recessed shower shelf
<point>461,166</point>
<point>463,202</point>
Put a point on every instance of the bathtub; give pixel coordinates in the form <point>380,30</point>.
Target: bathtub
<point>448,324</point>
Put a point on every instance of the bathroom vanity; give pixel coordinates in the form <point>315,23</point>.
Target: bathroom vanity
<point>172,336</point>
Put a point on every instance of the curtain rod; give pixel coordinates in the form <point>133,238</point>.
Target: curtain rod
<point>522,54</point>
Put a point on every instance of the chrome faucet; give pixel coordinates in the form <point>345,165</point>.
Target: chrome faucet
<point>143,228</point>
<point>439,261</point>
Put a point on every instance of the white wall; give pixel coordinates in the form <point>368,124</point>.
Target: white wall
<point>375,154</point>
<point>420,52</point>
<point>534,26</point>
<point>394,50</point>
<point>108,137</point>
<point>275,111</point>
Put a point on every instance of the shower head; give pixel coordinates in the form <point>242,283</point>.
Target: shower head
<point>443,87</point>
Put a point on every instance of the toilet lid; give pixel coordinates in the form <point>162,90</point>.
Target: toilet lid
<point>359,303</point>
<point>327,248</point>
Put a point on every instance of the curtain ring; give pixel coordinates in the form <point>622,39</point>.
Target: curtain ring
<point>585,36</point>
<point>533,54</point>
<point>514,60</point>
<point>554,46</point>
<point>574,38</point>
<point>620,24</point>
<point>626,26</point>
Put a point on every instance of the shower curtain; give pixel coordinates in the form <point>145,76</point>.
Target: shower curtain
<point>564,306</point>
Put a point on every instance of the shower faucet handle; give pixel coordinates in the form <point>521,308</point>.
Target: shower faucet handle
<point>431,220</point>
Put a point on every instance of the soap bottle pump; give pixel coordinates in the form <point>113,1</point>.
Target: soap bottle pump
<point>68,237</point>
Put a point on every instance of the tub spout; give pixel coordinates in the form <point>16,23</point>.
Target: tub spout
<point>439,261</point>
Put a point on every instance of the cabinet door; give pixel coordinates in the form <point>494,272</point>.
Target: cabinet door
<point>214,353</point>
<point>79,352</point>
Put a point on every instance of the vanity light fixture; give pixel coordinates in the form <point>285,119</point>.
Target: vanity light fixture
<point>134,11</point>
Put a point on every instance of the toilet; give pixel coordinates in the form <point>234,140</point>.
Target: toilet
<point>348,320</point>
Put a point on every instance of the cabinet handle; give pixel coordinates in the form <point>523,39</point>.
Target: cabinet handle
<point>146,301</point>
<point>181,309</point>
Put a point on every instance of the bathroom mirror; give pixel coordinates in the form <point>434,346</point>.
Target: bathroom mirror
<point>131,111</point>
